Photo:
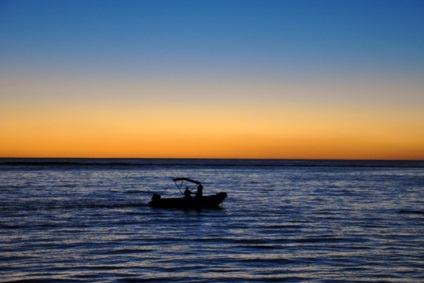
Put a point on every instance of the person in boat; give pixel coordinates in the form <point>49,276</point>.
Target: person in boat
<point>199,192</point>
<point>187,193</point>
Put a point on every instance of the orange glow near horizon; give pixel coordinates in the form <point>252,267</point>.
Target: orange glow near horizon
<point>212,79</point>
<point>228,121</point>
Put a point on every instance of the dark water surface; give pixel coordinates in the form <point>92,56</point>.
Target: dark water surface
<point>283,221</point>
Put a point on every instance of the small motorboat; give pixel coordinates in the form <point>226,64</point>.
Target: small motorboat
<point>187,201</point>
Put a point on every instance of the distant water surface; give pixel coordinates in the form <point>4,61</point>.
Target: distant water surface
<point>87,220</point>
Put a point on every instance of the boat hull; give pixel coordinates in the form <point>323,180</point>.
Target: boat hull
<point>187,203</point>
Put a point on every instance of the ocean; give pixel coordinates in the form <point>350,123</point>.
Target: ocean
<point>88,220</point>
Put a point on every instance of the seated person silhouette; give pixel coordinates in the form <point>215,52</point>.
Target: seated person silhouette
<point>199,192</point>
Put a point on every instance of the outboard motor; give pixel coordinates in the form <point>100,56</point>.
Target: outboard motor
<point>155,197</point>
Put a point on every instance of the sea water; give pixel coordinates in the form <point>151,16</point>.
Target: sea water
<point>283,221</point>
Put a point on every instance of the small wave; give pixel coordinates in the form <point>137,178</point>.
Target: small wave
<point>272,260</point>
<point>12,226</point>
<point>126,251</point>
<point>250,241</point>
<point>66,206</point>
<point>113,206</point>
<point>319,240</point>
<point>39,280</point>
<point>151,279</point>
<point>134,192</point>
<point>284,226</point>
<point>264,247</point>
<point>410,211</point>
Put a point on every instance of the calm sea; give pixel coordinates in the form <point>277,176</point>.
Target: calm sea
<point>87,220</point>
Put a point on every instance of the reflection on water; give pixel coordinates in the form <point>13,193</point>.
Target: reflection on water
<point>279,223</point>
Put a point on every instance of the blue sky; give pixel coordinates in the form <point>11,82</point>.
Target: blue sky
<point>213,37</point>
<point>257,79</point>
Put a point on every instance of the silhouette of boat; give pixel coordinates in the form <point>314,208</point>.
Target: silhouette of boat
<point>187,202</point>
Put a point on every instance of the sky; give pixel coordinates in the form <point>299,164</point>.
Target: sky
<point>288,79</point>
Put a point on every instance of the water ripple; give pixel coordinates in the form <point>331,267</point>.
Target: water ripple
<point>279,224</point>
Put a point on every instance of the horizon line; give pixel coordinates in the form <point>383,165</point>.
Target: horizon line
<point>211,158</point>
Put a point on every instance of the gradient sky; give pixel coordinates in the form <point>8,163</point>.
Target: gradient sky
<point>212,79</point>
